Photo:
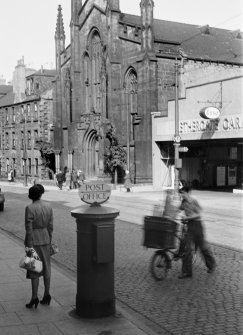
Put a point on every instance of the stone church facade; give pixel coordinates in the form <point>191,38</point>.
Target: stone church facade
<point>119,69</point>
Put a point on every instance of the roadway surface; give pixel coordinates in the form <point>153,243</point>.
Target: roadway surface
<point>205,304</point>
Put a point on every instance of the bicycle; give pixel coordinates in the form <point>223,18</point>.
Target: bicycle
<point>161,233</point>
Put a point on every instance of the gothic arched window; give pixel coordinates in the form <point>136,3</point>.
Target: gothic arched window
<point>131,84</point>
<point>96,62</point>
<point>87,82</point>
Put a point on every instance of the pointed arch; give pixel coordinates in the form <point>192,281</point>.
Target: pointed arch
<point>131,91</point>
<point>95,47</point>
<point>87,80</point>
<point>131,84</point>
<point>90,148</point>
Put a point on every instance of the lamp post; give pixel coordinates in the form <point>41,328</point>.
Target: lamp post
<point>128,135</point>
<point>177,138</point>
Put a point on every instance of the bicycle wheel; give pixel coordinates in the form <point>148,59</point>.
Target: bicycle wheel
<point>159,265</point>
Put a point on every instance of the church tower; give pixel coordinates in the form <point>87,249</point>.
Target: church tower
<point>60,47</point>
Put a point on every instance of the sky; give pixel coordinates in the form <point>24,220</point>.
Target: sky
<point>27,27</point>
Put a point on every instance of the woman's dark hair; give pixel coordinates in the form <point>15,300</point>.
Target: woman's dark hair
<point>185,189</point>
<point>36,191</point>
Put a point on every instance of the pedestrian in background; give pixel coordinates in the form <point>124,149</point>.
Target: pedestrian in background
<point>80,177</point>
<point>60,177</point>
<point>195,234</point>
<point>68,179</point>
<point>38,235</point>
<point>127,183</point>
<point>10,176</point>
<point>74,179</point>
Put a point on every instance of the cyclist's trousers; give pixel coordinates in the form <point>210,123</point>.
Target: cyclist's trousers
<point>195,235</point>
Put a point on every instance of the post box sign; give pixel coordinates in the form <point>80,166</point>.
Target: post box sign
<point>94,192</point>
<point>210,113</point>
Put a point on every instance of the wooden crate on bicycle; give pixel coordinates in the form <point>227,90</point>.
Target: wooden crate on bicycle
<point>159,232</point>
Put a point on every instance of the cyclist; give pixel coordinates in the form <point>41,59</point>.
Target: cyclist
<point>195,233</point>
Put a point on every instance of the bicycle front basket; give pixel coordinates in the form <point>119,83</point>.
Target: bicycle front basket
<point>159,233</point>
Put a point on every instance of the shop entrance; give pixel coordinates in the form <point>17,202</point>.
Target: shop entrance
<point>208,164</point>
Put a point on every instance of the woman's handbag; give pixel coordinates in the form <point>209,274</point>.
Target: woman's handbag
<point>31,262</point>
<point>53,249</point>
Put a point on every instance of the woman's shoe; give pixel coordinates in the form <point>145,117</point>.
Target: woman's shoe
<point>185,275</point>
<point>46,300</point>
<point>32,303</point>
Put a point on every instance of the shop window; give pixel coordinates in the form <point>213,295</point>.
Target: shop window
<point>233,153</point>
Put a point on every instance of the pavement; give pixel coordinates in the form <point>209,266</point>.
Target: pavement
<point>60,317</point>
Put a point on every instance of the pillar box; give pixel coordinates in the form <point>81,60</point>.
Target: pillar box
<point>95,251</point>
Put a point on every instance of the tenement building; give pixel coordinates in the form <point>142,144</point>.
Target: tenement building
<point>26,115</point>
<point>127,71</point>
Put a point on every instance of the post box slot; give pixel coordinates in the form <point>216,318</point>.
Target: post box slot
<point>104,244</point>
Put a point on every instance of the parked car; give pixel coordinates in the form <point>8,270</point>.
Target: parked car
<point>2,200</point>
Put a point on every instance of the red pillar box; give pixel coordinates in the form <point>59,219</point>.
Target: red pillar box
<point>95,252</point>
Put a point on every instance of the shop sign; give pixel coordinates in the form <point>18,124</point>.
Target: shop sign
<point>199,125</point>
<point>94,192</point>
<point>210,113</point>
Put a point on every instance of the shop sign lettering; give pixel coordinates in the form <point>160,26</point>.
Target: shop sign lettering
<point>94,192</point>
<point>213,125</point>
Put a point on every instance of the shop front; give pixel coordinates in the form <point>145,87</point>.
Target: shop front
<point>211,149</point>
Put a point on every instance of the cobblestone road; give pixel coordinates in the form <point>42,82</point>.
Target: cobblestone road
<point>206,304</point>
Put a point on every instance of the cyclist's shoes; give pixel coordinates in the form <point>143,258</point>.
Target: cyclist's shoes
<point>185,275</point>
<point>178,256</point>
<point>212,269</point>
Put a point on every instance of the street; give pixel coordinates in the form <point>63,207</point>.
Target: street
<point>206,304</point>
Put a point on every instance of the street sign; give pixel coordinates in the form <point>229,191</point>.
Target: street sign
<point>94,192</point>
<point>183,149</point>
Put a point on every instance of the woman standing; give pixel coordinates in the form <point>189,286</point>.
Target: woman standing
<point>39,228</point>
